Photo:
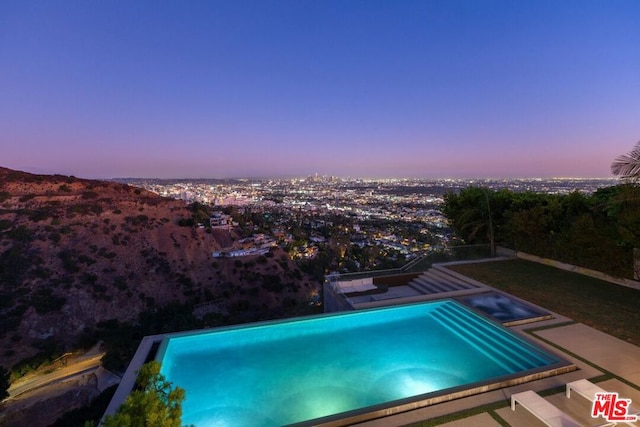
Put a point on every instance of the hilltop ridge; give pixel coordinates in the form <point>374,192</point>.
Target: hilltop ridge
<point>77,252</point>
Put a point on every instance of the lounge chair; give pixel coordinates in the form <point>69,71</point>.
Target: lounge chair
<point>584,388</point>
<point>543,410</point>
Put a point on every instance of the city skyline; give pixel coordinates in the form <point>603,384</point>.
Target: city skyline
<point>371,89</point>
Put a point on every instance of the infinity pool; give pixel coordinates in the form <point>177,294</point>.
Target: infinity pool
<point>334,366</point>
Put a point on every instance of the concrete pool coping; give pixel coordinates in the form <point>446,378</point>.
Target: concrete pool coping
<point>594,353</point>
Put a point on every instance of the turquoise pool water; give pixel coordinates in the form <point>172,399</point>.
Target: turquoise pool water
<point>285,372</point>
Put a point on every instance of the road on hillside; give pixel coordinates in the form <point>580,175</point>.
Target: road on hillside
<point>79,367</point>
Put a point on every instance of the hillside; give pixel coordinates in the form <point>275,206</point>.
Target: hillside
<point>77,252</point>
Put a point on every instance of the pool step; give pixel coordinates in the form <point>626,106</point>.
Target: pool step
<point>531,356</point>
<point>446,276</point>
<point>487,339</point>
<point>473,337</point>
<point>431,287</point>
<point>435,281</point>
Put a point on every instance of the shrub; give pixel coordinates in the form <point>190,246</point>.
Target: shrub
<point>26,197</point>
<point>40,214</point>
<point>89,195</point>
<point>120,282</point>
<point>40,272</point>
<point>88,279</point>
<point>68,259</point>
<point>44,301</point>
<point>20,234</point>
<point>49,351</point>
<point>272,283</point>
<point>4,383</point>
<point>154,399</point>
<point>182,222</point>
<point>84,209</point>
<point>86,260</point>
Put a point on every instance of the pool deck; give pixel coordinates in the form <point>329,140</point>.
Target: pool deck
<point>596,354</point>
<point>608,361</point>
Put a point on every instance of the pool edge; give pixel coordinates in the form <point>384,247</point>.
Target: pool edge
<point>429,399</point>
<point>370,413</point>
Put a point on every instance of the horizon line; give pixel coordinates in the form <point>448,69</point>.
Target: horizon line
<point>452,178</point>
<point>311,175</point>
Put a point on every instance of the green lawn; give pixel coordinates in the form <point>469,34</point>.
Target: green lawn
<point>611,308</point>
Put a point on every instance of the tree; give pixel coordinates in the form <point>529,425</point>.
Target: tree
<point>153,403</point>
<point>627,166</point>
<point>470,215</point>
<point>4,383</point>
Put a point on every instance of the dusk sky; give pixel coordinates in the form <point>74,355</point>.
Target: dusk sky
<point>352,88</point>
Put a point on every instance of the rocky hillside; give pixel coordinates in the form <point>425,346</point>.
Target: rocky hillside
<point>75,252</point>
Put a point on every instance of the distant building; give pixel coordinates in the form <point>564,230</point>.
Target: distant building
<point>317,239</point>
<point>239,253</point>
<point>221,220</point>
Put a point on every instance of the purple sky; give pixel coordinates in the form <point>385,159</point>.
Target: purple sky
<point>359,88</point>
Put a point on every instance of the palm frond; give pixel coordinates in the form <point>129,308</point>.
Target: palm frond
<point>627,166</point>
